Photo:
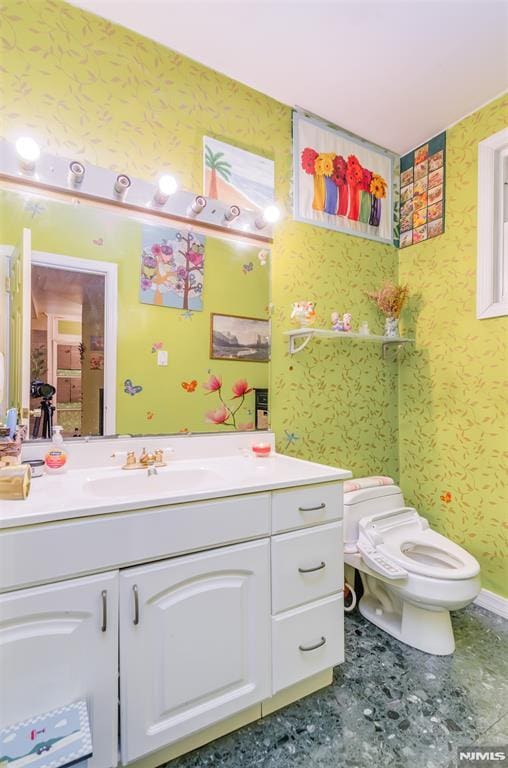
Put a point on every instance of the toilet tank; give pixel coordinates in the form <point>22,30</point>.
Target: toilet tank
<point>364,502</point>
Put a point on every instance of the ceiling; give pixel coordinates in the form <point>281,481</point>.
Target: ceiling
<point>61,291</point>
<point>393,72</point>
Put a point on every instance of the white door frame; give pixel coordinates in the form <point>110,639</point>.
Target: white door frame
<point>5,258</point>
<point>110,272</point>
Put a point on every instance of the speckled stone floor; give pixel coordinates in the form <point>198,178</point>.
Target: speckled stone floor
<point>389,705</point>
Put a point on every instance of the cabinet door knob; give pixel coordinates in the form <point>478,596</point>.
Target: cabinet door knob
<point>312,509</point>
<point>104,597</point>
<point>314,646</point>
<point>319,567</point>
<point>135,592</point>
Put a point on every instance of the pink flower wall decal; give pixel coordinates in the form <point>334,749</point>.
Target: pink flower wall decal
<point>219,416</point>
<point>213,384</point>
<point>241,388</point>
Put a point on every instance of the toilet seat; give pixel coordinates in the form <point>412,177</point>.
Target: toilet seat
<point>404,538</point>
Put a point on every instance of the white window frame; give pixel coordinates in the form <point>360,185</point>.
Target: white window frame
<point>492,264</point>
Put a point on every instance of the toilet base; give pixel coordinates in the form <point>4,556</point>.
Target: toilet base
<point>427,630</point>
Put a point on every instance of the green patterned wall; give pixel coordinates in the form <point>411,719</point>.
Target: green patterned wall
<point>453,422</point>
<point>92,90</point>
<point>95,91</point>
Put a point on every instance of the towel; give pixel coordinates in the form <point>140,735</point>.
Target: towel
<point>366,482</point>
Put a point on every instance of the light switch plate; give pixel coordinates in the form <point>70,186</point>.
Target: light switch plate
<point>162,357</point>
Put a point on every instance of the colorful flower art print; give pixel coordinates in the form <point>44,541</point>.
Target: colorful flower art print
<point>172,268</point>
<point>422,192</point>
<point>341,183</point>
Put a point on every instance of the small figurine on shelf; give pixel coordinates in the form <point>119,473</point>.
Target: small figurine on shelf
<point>304,312</point>
<point>339,324</point>
<point>336,322</point>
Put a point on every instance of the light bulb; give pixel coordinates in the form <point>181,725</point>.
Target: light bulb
<point>122,184</point>
<point>231,213</point>
<point>270,215</point>
<point>76,173</point>
<point>166,186</point>
<point>28,151</point>
<point>198,205</point>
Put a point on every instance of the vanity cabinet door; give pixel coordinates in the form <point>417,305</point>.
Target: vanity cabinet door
<point>58,644</point>
<point>194,643</point>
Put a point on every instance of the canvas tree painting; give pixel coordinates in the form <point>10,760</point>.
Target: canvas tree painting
<point>235,176</point>
<point>172,268</point>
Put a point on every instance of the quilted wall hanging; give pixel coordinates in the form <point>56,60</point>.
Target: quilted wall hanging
<point>341,183</point>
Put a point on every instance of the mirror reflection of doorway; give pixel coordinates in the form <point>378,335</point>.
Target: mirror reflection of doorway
<point>67,350</point>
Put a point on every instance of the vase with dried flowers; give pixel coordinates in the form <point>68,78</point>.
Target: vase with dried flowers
<point>389,300</point>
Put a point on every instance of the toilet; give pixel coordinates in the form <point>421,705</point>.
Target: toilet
<point>412,576</point>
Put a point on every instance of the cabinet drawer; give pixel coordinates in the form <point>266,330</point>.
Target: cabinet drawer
<point>306,565</point>
<point>307,640</point>
<point>310,505</point>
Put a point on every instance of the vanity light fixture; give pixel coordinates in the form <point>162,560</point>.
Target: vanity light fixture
<point>166,186</point>
<point>197,205</point>
<point>28,152</point>
<point>231,213</point>
<point>122,184</point>
<point>270,215</point>
<point>76,173</point>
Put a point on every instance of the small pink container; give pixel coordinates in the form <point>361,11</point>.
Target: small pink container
<point>262,450</point>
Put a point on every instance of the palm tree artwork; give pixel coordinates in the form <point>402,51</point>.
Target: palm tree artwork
<point>218,166</point>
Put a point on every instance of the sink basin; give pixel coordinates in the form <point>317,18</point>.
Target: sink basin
<point>138,483</point>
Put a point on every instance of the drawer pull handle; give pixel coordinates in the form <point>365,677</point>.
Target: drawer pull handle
<point>319,567</point>
<point>313,647</point>
<point>135,592</point>
<point>312,509</point>
<point>104,597</point>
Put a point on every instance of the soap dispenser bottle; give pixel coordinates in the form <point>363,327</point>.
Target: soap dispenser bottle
<point>55,460</point>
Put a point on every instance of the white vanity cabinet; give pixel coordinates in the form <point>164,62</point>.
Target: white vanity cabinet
<point>307,581</point>
<point>197,617</point>
<point>194,643</point>
<point>58,644</point>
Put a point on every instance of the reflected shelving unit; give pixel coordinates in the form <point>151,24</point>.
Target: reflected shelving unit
<point>300,337</point>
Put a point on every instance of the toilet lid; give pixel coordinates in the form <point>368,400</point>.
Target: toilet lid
<point>404,537</point>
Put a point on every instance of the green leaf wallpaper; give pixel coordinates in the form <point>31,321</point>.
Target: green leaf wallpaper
<point>89,89</point>
<point>453,416</point>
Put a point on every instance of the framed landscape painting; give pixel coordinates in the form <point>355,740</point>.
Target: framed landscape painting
<point>341,182</point>
<point>233,337</point>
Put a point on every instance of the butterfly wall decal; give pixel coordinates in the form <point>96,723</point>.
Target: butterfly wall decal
<point>248,267</point>
<point>98,241</point>
<point>446,497</point>
<point>150,415</point>
<point>190,386</point>
<point>130,388</point>
<point>34,208</point>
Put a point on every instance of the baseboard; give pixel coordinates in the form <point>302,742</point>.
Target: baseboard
<point>493,602</point>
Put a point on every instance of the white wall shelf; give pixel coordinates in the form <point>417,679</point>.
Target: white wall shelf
<point>300,337</point>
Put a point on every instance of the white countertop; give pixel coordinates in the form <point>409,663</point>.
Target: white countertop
<point>89,491</point>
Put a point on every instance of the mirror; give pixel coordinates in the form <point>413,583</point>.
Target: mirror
<point>119,323</point>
